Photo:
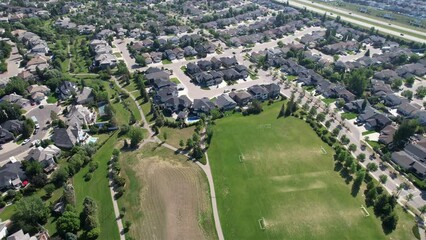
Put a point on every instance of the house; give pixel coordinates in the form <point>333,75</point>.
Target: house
<point>20,235</point>
<point>204,65</point>
<point>192,68</point>
<point>80,116</point>
<point>230,74</point>
<point>157,75</point>
<point>66,90</point>
<point>179,53</point>
<point>5,136</point>
<point>341,47</point>
<point>202,106</point>
<point>407,109</point>
<point>27,75</point>
<point>386,75</point>
<point>38,88</point>
<point>45,156</point>
<point>356,106</point>
<point>12,176</point>
<point>16,99</point>
<point>242,98</point>
<point>170,54</point>
<point>160,83</point>
<point>86,96</point>
<point>225,103</point>
<point>392,100</point>
<point>13,126</point>
<point>189,51</point>
<point>216,63</point>
<point>373,119</point>
<point>273,90</point>
<point>242,70</point>
<point>105,60</point>
<point>156,56</point>
<point>3,230</point>
<point>258,92</point>
<point>228,62</point>
<point>69,137</point>
<point>208,78</point>
<point>37,62</point>
<point>386,134</point>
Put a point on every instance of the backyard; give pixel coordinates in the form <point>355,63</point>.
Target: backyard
<point>273,181</point>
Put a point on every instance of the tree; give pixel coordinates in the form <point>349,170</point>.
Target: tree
<point>352,147</point>
<point>16,85</point>
<point>60,176</point>
<point>422,209</point>
<point>69,194</point>
<point>30,213</point>
<point>390,221</point>
<point>383,178</point>
<point>49,189</point>
<point>404,132</point>
<point>165,136</point>
<point>321,117</point>
<point>68,222</point>
<point>408,94</point>
<point>372,167</point>
<point>409,81</point>
<point>28,128</point>
<point>136,136</point>
<point>197,152</point>
<point>70,236</point>
<point>189,143</point>
<point>367,53</point>
<point>357,82</point>
<point>361,157</point>
<point>396,84</point>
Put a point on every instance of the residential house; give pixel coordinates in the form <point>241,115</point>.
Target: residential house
<point>170,54</point>
<point>202,106</point>
<point>386,134</point>
<point>13,126</point>
<point>16,99</point>
<point>80,116</point>
<point>228,62</point>
<point>45,156</point>
<point>20,235</point>
<point>242,70</point>
<point>27,76</point>
<point>208,78</point>
<point>5,136</point>
<point>86,96</point>
<point>12,176</point>
<point>37,62</point>
<point>179,53</point>
<point>66,90</point>
<point>192,68</point>
<point>231,74</point>
<point>407,109</point>
<point>204,65</point>
<point>258,92</point>
<point>393,101</point>
<point>386,75</point>
<point>38,92</point>
<point>69,137</point>
<point>189,51</point>
<point>273,90</point>
<point>157,75</point>
<point>356,106</point>
<point>242,98</point>
<point>225,103</point>
<point>373,119</point>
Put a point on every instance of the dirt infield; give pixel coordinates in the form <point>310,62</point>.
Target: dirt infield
<point>173,199</point>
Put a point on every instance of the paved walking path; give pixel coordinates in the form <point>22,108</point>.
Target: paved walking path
<point>115,205</point>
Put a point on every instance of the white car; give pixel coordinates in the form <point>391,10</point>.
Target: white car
<point>25,141</point>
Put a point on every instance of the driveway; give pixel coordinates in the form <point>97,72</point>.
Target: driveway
<point>43,115</point>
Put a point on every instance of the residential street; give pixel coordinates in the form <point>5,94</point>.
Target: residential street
<point>13,62</point>
<point>43,115</point>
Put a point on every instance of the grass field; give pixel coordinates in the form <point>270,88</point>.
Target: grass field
<point>349,115</point>
<point>167,196</point>
<point>270,168</point>
<point>174,135</point>
<point>97,188</point>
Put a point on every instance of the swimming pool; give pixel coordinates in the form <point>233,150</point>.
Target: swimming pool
<point>191,120</point>
<point>92,140</point>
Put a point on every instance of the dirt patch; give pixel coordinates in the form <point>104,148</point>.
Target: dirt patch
<point>174,200</point>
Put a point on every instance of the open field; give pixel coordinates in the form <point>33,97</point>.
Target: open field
<point>273,169</point>
<point>98,189</point>
<point>174,135</point>
<point>167,196</point>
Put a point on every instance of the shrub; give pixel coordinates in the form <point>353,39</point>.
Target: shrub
<point>88,176</point>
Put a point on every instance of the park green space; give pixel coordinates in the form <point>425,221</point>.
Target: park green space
<point>271,172</point>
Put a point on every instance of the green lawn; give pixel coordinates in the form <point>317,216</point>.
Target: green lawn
<point>291,77</point>
<point>286,180</point>
<point>175,80</point>
<point>51,99</point>
<point>174,135</point>
<point>349,115</point>
<point>368,132</point>
<point>97,188</point>
<point>166,61</point>
<point>328,100</point>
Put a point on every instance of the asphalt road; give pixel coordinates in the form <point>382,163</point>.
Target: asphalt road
<point>43,115</point>
<point>347,17</point>
<point>12,63</point>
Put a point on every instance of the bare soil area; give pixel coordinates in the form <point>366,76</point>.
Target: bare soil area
<point>172,200</point>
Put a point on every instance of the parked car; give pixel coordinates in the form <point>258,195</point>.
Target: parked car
<point>35,131</point>
<point>25,141</point>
